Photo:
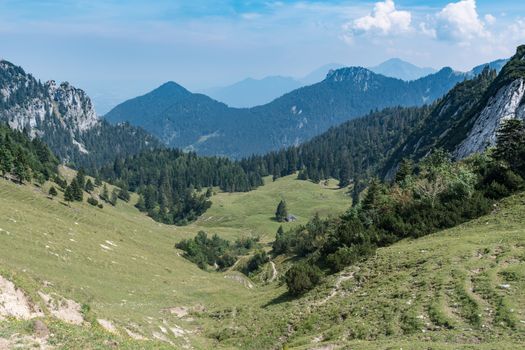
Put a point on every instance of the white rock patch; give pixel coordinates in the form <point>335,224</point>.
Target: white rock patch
<point>14,303</point>
<point>64,309</point>
<point>107,325</point>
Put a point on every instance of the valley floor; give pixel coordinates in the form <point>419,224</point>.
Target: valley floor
<point>460,288</point>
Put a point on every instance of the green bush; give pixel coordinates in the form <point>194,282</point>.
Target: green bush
<point>302,277</point>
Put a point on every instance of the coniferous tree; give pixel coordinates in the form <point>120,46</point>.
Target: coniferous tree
<point>81,178</point>
<point>303,175</point>
<point>53,191</point>
<point>114,197</point>
<point>282,212</point>
<point>98,181</point>
<point>6,161</point>
<point>406,168</point>
<point>78,193</point>
<point>21,167</point>
<point>510,147</point>
<point>140,203</point>
<point>69,194</point>
<point>89,187</point>
<point>124,194</point>
<point>209,192</point>
<point>105,193</point>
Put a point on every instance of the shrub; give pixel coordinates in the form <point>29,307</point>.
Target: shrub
<point>302,277</point>
<point>92,201</point>
<point>260,258</point>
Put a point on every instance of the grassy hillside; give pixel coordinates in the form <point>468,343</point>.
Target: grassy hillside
<point>460,288</point>
<point>123,265</point>
<point>253,212</point>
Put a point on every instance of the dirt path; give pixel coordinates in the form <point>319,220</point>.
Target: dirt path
<point>337,287</point>
<point>274,272</point>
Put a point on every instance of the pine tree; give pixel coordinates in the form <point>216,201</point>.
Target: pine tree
<point>98,181</point>
<point>114,197</point>
<point>81,178</point>
<point>105,193</point>
<point>69,195</point>
<point>406,168</point>
<point>209,192</point>
<point>124,194</point>
<point>372,194</point>
<point>6,161</point>
<point>281,213</point>
<point>78,193</point>
<point>53,191</point>
<point>510,147</point>
<point>21,168</point>
<point>140,204</point>
<point>89,186</point>
<point>303,175</point>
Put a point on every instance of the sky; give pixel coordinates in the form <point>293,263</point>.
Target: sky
<point>117,49</point>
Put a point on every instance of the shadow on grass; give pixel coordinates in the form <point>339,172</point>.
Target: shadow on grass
<point>283,298</point>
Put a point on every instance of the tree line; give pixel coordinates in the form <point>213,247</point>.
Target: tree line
<point>25,159</point>
<point>172,183</point>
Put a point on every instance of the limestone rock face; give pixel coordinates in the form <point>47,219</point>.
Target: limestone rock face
<point>508,103</point>
<point>26,103</point>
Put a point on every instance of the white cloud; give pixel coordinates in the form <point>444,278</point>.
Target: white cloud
<point>385,19</point>
<point>490,19</point>
<point>460,21</point>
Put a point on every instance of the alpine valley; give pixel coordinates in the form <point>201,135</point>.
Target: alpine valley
<point>359,212</point>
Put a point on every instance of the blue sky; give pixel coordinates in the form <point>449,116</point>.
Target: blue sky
<point>117,49</point>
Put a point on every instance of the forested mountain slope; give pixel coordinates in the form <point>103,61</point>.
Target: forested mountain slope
<point>65,119</point>
<point>193,121</point>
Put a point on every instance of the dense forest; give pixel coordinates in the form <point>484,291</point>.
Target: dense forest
<point>434,194</point>
<point>104,142</point>
<point>353,150</point>
<point>171,182</point>
<point>24,159</point>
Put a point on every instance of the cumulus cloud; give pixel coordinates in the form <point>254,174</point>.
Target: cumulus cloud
<point>460,21</point>
<point>385,19</point>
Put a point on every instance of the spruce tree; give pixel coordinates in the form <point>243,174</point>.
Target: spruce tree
<point>69,195</point>
<point>406,168</point>
<point>114,197</point>
<point>21,168</point>
<point>510,147</point>
<point>78,193</point>
<point>98,181</point>
<point>81,178</point>
<point>124,194</point>
<point>89,186</point>
<point>281,213</point>
<point>105,193</point>
<point>53,191</point>
<point>6,161</point>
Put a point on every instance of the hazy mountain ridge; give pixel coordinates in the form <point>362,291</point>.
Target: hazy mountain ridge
<point>212,128</point>
<point>397,68</point>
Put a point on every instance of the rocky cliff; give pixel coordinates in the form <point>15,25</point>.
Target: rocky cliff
<point>64,117</point>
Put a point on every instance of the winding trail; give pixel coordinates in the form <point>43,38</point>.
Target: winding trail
<point>337,287</point>
<point>274,272</point>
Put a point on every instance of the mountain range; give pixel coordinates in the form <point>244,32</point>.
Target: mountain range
<point>191,121</point>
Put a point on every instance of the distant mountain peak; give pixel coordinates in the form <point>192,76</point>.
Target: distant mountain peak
<point>356,74</point>
<point>171,86</point>
<point>400,69</point>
